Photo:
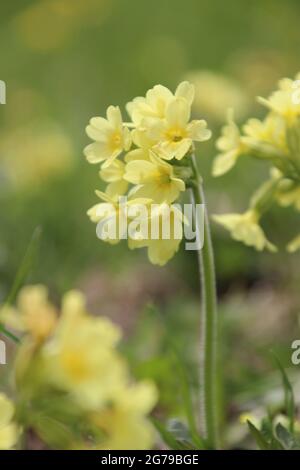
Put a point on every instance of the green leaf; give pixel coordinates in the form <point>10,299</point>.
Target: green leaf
<point>288,394</point>
<point>166,435</point>
<point>54,433</point>
<point>287,440</point>
<point>25,265</point>
<point>184,383</point>
<point>8,334</point>
<point>258,436</point>
<point>183,435</point>
<point>21,276</point>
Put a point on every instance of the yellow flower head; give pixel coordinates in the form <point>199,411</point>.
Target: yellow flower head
<point>165,232</point>
<point>276,140</point>
<point>245,228</point>
<point>113,215</point>
<point>214,93</point>
<point>155,179</point>
<point>81,358</point>
<point>230,146</point>
<point>288,194</point>
<point>155,103</point>
<point>77,376</point>
<point>175,134</point>
<point>272,131</point>
<point>160,130</point>
<point>110,136</point>
<point>33,314</point>
<point>8,430</point>
<point>286,100</point>
<point>294,245</point>
<point>124,422</point>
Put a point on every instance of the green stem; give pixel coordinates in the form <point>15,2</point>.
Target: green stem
<point>8,334</point>
<point>209,325</point>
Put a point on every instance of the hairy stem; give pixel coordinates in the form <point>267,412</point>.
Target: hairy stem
<point>209,324</point>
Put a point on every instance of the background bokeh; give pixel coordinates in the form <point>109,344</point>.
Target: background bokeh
<point>65,61</point>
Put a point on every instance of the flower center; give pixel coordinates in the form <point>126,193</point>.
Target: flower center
<point>115,140</point>
<point>175,134</point>
<point>75,365</point>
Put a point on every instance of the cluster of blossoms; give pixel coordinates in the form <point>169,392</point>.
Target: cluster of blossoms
<point>148,160</point>
<point>72,386</point>
<point>276,140</point>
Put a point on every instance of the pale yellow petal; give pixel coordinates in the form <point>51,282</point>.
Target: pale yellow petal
<point>186,90</point>
<point>294,245</point>
<point>197,130</point>
<point>96,152</point>
<point>224,162</point>
<point>178,113</point>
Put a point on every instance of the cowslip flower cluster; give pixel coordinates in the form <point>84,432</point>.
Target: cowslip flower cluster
<point>147,159</point>
<point>275,140</point>
<point>72,385</point>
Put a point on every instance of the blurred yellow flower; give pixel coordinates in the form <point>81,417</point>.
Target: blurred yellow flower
<point>294,245</point>
<point>155,179</point>
<point>77,376</point>
<point>272,131</point>
<point>81,358</point>
<point>34,23</point>
<point>230,145</point>
<point>34,314</point>
<point>8,430</point>
<point>31,154</point>
<point>215,93</point>
<point>288,194</point>
<point>124,422</point>
<point>245,228</point>
<point>275,140</point>
<point>286,100</point>
<point>110,135</point>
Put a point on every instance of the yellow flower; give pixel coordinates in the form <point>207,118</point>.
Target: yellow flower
<point>111,137</point>
<point>33,314</point>
<point>214,93</point>
<point>137,154</point>
<point>34,153</point>
<point>161,130</point>
<point>175,134</point>
<point>8,430</point>
<point>124,423</point>
<point>113,213</point>
<point>155,103</point>
<point>165,232</point>
<point>294,245</point>
<point>108,212</point>
<point>230,145</point>
<point>114,175</point>
<point>289,194</point>
<point>286,100</point>
<point>156,179</point>
<point>81,357</point>
<point>272,130</point>
<point>245,228</point>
